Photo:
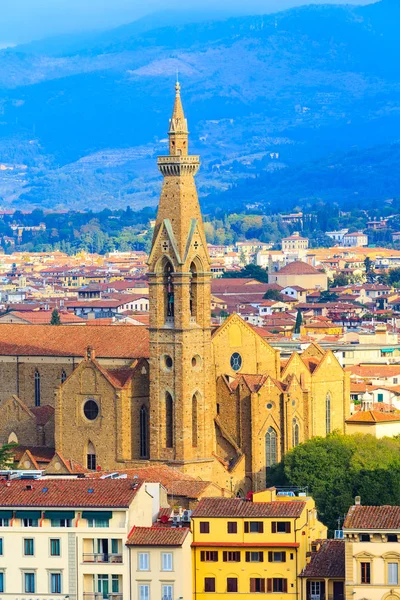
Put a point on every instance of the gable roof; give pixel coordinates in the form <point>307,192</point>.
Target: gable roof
<point>124,341</point>
<point>328,561</point>
<point>157,536</point>
<point>373,517</point>
<point>71,493</point>
<point>237,507</point>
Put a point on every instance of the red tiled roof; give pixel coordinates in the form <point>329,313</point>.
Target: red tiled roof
<point>124,341</point>
<point>157,536</point>
<point>373,517</point>
<point>298,268</point>
<point>41,454</point>
<point>373,416</point>
<point>42,413</point>
<point>236,507</point>
<point>43,317</point>
<point>71,493</point>
<point>328,561</point>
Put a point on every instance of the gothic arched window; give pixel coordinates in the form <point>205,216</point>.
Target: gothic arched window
<point>144,433</point>
<point>194,421</point>
<point>271,443</point>
<point>37,388</point>
<point>169,289</point>
<point>296,433</point>
<point>91,457</point>
<point>193,291</point>
<point>169,420</point>
<point>328,413</point>
<point>63,376</point>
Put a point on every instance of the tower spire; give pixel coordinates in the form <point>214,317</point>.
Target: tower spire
<point>178,128</point>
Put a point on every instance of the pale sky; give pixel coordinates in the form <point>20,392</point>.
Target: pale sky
<point>25,20</point>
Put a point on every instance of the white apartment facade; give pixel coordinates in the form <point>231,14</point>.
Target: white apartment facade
<point>67,537</point>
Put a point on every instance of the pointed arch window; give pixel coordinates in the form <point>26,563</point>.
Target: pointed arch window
<point>271,443</point>
<point>63,376</point>
<point>12,438</point>
<point>37,388</point>
<point>144,433</point>
<point>328,413</point>
<point>169,420</point>
<point>296,433</point>
<point>169,289</point>
<point>193,293</point>
<point>91,462</point>
<point>194,421</point>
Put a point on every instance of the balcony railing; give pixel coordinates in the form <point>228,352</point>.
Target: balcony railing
<point>102,557</point>
<point>101,596</point>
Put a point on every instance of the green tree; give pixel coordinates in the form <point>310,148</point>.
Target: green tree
<point>250,271</point>
<point>273,295</point>
<point>7,455</point>
<point>394,276</point>
<point>299,322</point>
<point>55,318</point>
<point>368,264</point>
<point>339,280</point>
<point>337,468</point>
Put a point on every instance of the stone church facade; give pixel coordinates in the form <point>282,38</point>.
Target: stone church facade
<point>219,405</point>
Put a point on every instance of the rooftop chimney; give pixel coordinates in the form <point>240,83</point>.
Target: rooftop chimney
<point>357,500</point>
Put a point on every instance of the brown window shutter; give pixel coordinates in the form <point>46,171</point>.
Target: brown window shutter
<point>224,556</point>
<point>269,585</point>
<point>261,527</point>
<point>252,585</point>
<point>270,557</point>
<point>248,557</point>
<point>287,528</point>
<point>246,527</point>
<point>285,585</point>
<point>283,556</point>
<point>261,556</point>
<point>273,526</point>
<point>262,585</point>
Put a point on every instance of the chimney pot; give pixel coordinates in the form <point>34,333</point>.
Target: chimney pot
<point>357,501</point>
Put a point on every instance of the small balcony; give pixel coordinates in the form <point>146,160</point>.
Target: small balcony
<point>103,557</point>
<point>101,596</point>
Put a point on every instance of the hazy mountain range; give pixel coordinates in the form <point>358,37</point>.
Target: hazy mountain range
<point>283,109</point>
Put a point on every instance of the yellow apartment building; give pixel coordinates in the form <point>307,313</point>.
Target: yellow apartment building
<point>256,546</point>
<point>372,552</point>
<point>160,563</point>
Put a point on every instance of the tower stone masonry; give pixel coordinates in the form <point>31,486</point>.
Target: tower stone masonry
<point>181,393</point>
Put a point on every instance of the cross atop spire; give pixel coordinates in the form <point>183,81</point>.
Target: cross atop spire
<point>178,129</point>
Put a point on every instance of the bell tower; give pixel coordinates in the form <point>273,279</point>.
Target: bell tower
<point>182,402</point>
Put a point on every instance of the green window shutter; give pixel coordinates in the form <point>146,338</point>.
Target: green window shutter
<point>28,514</point>
<point>99,515</point>
<point>59,514</point>
<point>6,514</point>
<point>114,546</point>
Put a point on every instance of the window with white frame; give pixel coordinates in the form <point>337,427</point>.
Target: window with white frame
<point>167,592</point>
<point>1,582</point>
<point>315,588</point>
<point>144,591</point>
<point>143,561</point>
<point>29,583</point>
<point>393,573</point>
<point>166,561</point>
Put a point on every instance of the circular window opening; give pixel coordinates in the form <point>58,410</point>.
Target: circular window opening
<point>167,362</point>
<point>196,361</point>
<point>91,410</point>
<point>236,361</point>
<point>269,405</point>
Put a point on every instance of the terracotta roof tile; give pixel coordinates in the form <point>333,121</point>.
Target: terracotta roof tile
<point>299,268</point>
<point>373,416</point>
<point>71,493</point>
<point>236,507</point>
<point>373,517</point>
<point>42,413</point>
<point>124,341</point>
<point>328,561</point>
<point>157,536</point>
